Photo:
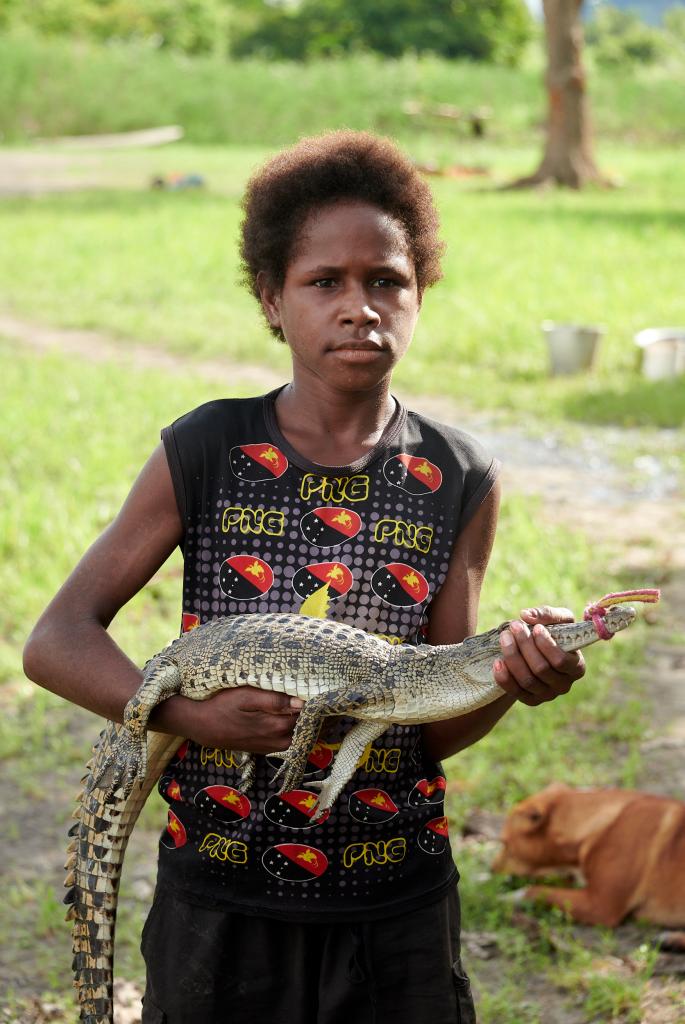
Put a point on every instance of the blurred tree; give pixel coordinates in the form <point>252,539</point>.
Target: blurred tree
<point>495,30</point>
<point>621,37</point>
<point>194,26</point>
<point>568,158</point>
<point>674,22</point>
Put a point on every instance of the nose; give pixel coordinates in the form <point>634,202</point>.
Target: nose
<point>356,310</point>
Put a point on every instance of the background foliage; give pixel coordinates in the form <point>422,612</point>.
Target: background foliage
<point>493,30</point>
<point>104,252</point>
<point>64,86</point>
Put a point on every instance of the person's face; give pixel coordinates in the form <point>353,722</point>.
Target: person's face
<point>349,302</point>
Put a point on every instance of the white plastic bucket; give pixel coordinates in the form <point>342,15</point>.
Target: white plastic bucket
<point>663,351</point>
<point>572,347</point>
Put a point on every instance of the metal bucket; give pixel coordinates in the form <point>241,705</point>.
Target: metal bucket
<point>572,347</point>
<point>663,351</point>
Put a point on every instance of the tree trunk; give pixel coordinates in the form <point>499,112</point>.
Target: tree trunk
<point>568,158</point>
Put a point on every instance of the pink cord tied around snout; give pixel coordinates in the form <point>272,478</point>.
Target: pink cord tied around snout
<point>598,610</point>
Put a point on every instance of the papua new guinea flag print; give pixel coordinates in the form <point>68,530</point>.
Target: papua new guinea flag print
<point>327,527</point>
<point>427,791</point>
<point>294,862</point>
<point>257,462</point>
<point>189,620</point>
<point>245,577</point>
<point>413,474</point>
<point>175,836</point>
<point>310,578</point>
<point>177,758</point>
<point>372,806</point>
<point>434,837</point>
<point>318,758</point>
<point>169,787</point>
<point>225,804</point>
<point>294,809</point>
<point>399,585</point>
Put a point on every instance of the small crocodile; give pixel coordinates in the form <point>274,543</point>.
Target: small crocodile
<point>335,668</point>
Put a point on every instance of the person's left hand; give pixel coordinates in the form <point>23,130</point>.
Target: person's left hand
<point>533,669</point>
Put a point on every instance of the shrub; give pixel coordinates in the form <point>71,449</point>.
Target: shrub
<point>621,37</point>
<point>494,30</point>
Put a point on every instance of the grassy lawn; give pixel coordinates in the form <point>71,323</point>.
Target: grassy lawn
<point>162,268</point>
<point>52,87</point>
<point>73,437</point>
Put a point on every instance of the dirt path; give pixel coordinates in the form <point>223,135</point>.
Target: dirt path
<point>633,508</point>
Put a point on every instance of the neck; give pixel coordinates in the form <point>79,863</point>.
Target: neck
<point>333,427</point>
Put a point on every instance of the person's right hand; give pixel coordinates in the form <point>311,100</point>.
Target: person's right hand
<point>244,718</point>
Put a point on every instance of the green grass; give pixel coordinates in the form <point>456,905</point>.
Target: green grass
<point>73,437</point>
<point>590,969</point>
<point>161,268</point>
<point>57,87</point>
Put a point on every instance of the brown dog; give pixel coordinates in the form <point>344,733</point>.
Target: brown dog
<point>629,847</point>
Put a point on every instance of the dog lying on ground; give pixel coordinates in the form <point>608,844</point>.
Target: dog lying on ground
<point>629,847</point>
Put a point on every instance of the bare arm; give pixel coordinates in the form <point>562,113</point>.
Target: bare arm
<point>454,616</point>
<point>71,653</point>
<point>532,669</point>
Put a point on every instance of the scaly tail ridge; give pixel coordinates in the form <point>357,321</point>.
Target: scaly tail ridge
<point>98,839</point>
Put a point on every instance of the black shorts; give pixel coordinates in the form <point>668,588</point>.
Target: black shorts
<point>215,966</point>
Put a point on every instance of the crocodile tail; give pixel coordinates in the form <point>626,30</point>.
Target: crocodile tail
<point>98,839</point>
<point>92,892</point>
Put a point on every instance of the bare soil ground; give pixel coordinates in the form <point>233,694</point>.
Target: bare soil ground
<point>634,509</point>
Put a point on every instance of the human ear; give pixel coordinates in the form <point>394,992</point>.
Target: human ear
<point>270,299</point>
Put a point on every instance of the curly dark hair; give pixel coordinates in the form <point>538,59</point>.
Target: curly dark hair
<point>322,170</point>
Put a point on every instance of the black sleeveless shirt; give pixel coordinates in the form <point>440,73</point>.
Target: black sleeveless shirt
<point>368,544</point>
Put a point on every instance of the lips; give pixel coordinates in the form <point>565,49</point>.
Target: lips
<point>361,345</point>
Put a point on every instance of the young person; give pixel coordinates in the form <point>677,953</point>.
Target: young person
<point>326,491</point>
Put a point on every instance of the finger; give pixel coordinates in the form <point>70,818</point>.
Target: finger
<point>504,678</point>
<point>283,733</point>
<point>269,702</point>
<point>270,732</point>
<point>269,742</point>
<point>522,659</point>
<point>565,663</point>
<point>547,615</point>
<point>544,658</point>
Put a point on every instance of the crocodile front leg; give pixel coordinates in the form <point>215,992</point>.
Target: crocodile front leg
<point>345,763</point>
<point>127,759</point>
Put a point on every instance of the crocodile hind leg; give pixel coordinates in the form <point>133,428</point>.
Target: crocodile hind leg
<point>310,719</point>
<point>127,760</point>
<point>345,763</point>
<point>306,733</point>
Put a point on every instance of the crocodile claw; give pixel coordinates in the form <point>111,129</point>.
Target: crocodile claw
<point>326,798</point>
<point>291,769</point>
<point>126,764</point>
<point>247,772</point>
